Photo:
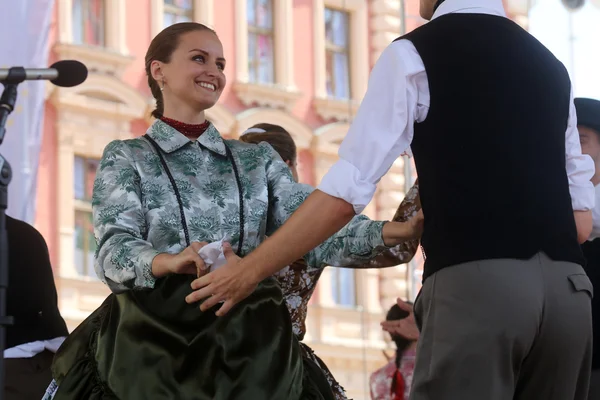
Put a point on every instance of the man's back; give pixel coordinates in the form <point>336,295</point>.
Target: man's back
<point>498,97</point>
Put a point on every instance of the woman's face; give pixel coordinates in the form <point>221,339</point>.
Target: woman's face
<point>194,76</point>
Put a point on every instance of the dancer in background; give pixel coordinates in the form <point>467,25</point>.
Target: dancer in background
<point>393,381</point>
<point>167,207</point>
<point>38,329</point>
<point>299,280</point>
<point>493,131</point>
<point>588,124</point>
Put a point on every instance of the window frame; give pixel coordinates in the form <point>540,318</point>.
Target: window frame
<point>328,108</point>
<point>115,28</point>
<point>347,51</point>
<point>337,288</point>
<point>202,11</point>
<point>257,30</point>
<point>103,40</point>
<point>283,93</point>
<point>178,11</point>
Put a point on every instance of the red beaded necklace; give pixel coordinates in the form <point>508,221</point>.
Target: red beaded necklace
<point>191,131</point>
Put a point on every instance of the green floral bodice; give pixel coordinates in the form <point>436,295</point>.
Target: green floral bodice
<point>137,216</point>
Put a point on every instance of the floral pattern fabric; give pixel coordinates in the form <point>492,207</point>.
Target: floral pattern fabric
<point>298,281</point>
<point>136,214</point>
<point>381,380</point>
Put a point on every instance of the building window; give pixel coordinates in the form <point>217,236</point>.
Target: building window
<point>89,22</point>
<point>261,68</point>
<point>343,287</point>
<point>85,242</point>
<point>337,53</point>
<point>176,11</point>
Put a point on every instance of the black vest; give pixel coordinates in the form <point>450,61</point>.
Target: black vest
<point>31,294</point>
<point>591,251</point>
<point>491,153</point>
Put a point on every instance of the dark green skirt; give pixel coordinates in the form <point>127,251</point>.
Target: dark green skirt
<point>151,345</point>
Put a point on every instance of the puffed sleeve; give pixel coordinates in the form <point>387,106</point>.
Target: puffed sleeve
<point>124,256</point>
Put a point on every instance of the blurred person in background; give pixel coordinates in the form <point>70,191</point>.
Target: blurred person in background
<point>38,329</point>
<point>588,124</point>
<point>393,381</point>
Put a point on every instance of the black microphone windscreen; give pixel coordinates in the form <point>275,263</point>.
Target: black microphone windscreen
<point>70,73</point>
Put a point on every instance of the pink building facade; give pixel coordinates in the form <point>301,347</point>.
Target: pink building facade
<point>302,64</point>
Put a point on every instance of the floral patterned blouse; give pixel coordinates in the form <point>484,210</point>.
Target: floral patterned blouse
<point>136,212</point>
<point>299,280</point>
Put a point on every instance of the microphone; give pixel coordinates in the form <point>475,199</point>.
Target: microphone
<point>65,73</point>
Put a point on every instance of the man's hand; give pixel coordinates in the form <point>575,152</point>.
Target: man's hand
<point>230,284</point>
<point>406,327</point>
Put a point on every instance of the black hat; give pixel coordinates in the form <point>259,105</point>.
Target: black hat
<point>588,113</point>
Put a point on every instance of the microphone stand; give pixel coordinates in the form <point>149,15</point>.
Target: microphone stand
<point>15,76</point>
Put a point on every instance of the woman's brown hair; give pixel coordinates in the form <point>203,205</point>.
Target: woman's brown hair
<point>277,137</point>
<point>161,48</point>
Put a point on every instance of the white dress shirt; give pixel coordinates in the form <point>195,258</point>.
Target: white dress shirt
<point>596,215</point>
<point>28,350</point>
<point>396,98</point>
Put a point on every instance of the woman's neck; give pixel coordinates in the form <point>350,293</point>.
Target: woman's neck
<point>185,115</point>
<point>191,131</point>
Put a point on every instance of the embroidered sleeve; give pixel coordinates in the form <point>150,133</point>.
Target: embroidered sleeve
<point>124,256</point>
<point>404,252</point>
<point>360,240</point>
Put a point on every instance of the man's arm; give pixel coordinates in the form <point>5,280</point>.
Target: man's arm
<point>398,95</point>
<point>580,170</point>
<point>382,130</point>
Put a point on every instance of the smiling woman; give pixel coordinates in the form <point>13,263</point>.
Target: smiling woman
<point>185,76</point>
<point>157,201</point>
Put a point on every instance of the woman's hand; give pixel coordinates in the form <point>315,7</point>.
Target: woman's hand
<point>186,262</point>
<point>230,284</point>
<point>395,233</point>
<point>406,327</point>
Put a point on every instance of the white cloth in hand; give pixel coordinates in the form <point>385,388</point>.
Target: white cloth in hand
<point>212,255</point>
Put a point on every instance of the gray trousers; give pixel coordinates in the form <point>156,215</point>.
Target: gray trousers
<point>504,329</point>
<point>594,393</point>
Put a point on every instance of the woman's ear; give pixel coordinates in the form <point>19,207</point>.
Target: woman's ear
<point>156,71</point>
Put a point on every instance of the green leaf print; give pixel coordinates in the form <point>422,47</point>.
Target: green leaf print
<point>219,166</point>
<point>188,162</point>
<point>186,191</point>
<point>294,201</point>
<point>110,214</point>
<point>162,132</point>
<point>135,144</point>
<point>110,154</point>
<point>249,158</point>
<point>153,195</point>
<point>128,179</point>
<point>250,187</point>
<point>152,165</point>
<point>206,228</point>
<point>168,229</point>
<point>217,189</point>
<point>99,191</point>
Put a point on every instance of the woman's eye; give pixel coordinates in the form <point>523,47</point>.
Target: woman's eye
<point>221,66</point>
<point>198,58</point>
